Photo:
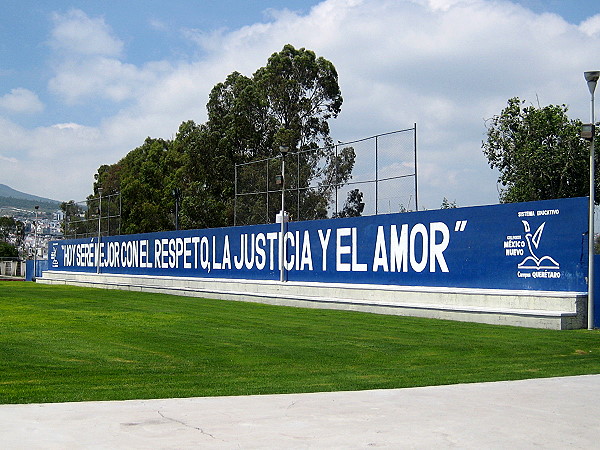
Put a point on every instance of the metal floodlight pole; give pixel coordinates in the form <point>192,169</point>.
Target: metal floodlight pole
<point>298,215</point>
<point>592,79</point>
<point>108,201</point>
<point>337,182</point>
<point>283,150</point>
<point>177,196</point>
<point>99,230</point>
<point>35,245</point>
<point>235,181</point>
<point>120,212</point>
<point>176,213</point>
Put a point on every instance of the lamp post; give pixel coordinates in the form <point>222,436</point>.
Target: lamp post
<point>283,150</point>
<point>99,229</point>
<point>592,79</point>
<point>35,246</point>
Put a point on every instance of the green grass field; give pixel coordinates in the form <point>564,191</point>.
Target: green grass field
<point>63,343</point>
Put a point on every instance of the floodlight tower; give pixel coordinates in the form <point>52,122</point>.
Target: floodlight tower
<point>99,229</point>
<point>35,244</point>
<point>592,79</point>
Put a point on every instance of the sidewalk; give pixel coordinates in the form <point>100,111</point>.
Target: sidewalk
<point>549,413</point>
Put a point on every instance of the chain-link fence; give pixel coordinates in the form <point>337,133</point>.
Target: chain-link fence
<point>97,215</point>
<point>375,175</point>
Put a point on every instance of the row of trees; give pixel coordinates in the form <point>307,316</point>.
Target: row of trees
<point>288,102</point>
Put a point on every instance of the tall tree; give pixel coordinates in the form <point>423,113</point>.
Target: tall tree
<point>302,93</point>
<point>299,93</point>
<point>143,178</point>
<point>538,152</point>
<point>205,177</point>
<point>238,116</point>
<point>286,103</point>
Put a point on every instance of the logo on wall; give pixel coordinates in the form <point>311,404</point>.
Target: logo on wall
<point>533,258</point>
<point>533,261</point>
<point>53,255</point>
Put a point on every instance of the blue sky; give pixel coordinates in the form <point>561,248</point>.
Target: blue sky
<point>84,82</point>
<point>151,30</point>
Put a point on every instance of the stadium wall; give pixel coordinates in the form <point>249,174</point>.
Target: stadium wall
<point>518,264</point>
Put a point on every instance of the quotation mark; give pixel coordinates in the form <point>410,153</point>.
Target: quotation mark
<point>460,225</point>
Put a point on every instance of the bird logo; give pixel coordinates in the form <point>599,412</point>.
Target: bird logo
<point>533,242</point>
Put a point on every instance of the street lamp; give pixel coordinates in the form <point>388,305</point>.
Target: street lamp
<point>35,244</point>
<point>284,151</point>
<point>592,79</point>
<point>99,229</point>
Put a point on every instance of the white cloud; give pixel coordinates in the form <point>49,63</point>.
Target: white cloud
<point>88,62</point>
<point>445,64</point>
<point>21,100</point>
<point>77,34</point>
<point>107,78</point>
<point>8,160</point>
<point>591,26</point>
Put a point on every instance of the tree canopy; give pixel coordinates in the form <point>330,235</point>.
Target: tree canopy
<point>539,153</point>
<point>288,102</point>
<point>12,234</point>
<point>8,250</point>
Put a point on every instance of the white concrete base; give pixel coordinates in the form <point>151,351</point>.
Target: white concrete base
<point>536,309</point>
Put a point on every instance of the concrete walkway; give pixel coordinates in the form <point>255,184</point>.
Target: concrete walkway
<point>548,413</point>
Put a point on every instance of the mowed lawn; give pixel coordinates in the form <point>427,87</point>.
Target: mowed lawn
<point>64,343</point>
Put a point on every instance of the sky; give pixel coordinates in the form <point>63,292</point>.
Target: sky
<point>83,82</point>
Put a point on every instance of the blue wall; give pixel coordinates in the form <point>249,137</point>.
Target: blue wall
<point>536,245</point>
<point>40,266</point>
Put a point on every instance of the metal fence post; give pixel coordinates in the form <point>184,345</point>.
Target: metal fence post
<point>416,189</point>
<point>376,175</point>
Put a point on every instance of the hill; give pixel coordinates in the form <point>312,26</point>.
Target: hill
<point>7,191</point>
<point>16,200</point>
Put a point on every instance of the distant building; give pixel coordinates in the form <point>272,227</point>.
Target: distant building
<point>58,216</point>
